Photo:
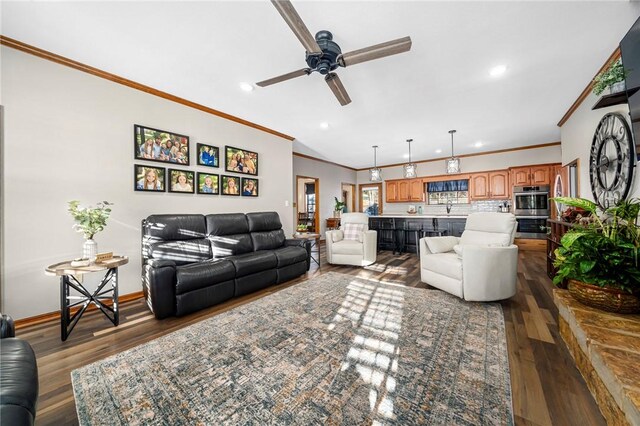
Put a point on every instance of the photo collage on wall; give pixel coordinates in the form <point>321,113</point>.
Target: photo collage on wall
<point>166,147</point>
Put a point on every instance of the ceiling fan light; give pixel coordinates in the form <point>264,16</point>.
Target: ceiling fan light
<point>375,175</point>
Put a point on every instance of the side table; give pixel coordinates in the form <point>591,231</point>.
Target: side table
<point>315,242</point>
<point>68,281</point>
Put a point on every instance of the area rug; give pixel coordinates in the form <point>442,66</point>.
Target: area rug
<point>332,350</point>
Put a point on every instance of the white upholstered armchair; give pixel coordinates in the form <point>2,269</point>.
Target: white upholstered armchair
<point>353,244</point>
<point>479,266</point>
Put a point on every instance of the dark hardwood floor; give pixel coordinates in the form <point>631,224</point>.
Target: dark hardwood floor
<point>547,388</point>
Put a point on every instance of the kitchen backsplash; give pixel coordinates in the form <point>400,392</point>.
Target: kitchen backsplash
<point>457,209</point>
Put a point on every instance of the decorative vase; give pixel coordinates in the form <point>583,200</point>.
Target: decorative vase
<point>617,87</point>
<point>90,250</point>
<point>605,298</point>
<point>337,213</point>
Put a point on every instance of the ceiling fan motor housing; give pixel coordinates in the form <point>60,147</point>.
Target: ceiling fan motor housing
<point>328,61</point>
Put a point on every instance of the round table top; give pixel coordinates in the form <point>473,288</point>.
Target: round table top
<point>65,268</point>
<point>306,235</point>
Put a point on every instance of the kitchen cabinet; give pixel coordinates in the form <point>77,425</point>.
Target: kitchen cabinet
<point>404,190</point>
<point>536,175</point>
<point>491,185</point>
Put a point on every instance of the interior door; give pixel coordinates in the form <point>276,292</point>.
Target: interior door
<point>371,198</point>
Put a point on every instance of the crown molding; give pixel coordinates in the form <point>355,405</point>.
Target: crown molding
<point>614,57</point>
<point>35,51</point>
<point>297,154</point>
<point>498,151</point>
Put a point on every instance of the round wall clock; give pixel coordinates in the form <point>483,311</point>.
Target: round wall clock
<point>612,160</point>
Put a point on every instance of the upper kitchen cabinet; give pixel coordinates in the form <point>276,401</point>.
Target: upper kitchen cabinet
<point>535,175</point>
<point>491,185</point>
<point>404,190</point>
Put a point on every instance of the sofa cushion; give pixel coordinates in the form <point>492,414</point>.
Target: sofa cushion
<point>181,251</point>
<point>227,224</point>
<point>263,221</point>
<point>347,247</point>
<point>18,376</point>
<point>230,245</point>
<point>251,263</point>
<point>203,274</point>
<point>447,264</point>
<point>441,244</point>
<point>481,238</point>
<point>170,227</point>
<point>267,240</point>
<point>289,255</point>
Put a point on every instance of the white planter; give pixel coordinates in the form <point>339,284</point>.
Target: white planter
<point>617,87</point>
<point>90,250</point>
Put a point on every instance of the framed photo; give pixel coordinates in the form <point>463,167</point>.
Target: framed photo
<point>208,184</point>
<point>181,181</point>
<point>148,178</point>
<point>208,155</point>
<point>160,145</point>
<point>230,185</point>
<point>240,161</point>
<point>249,187</point>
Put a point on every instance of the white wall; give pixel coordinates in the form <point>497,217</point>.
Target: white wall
<point>69,135</point>
<point>331,179</point>
<point>479,163</point>
<point>577,135</point>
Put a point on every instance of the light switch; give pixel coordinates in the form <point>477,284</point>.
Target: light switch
<point>286,203</point>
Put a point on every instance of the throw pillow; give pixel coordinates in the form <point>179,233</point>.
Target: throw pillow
<point>441,244</point>
<point>337,236</point>
<point>458,249</point>
<point>353,231</point>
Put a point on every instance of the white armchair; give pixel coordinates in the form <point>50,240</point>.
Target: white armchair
<point>479,266</point>
<point>359,251</point>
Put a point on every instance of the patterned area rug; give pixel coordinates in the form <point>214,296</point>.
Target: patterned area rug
<point>332,350</point>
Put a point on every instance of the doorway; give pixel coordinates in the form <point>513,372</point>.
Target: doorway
<point>371,199</point>
<point>349,196</point>
<point>308,203</point>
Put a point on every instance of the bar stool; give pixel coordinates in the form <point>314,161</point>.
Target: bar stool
<point>386,230</point>
<point>411,229</point>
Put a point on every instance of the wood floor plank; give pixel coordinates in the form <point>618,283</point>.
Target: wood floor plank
<point>546,386</point>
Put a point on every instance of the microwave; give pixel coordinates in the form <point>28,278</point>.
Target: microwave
<point>531,200</point>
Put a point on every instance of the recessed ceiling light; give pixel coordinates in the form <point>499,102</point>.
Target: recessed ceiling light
<point>478,144</point>
<point>324,125</point>
<point>498,70</point>
<point>438,151</point>
<point>247,87</point>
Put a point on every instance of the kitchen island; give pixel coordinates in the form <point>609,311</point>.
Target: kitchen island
<point>397,231</point>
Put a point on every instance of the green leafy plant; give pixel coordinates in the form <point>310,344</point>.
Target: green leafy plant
<point>89,220</point>
<point>604,252</point>
<point>614,74</point>
<point>339,205</point>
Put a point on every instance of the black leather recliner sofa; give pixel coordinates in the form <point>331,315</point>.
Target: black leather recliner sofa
<point>191,262</point>
<point>18,377</point>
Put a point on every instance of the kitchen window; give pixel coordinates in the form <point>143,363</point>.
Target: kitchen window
<point>443,192</point>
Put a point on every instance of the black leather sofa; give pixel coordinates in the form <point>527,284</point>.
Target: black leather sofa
<point>18,377</point>
<point>191,262</point>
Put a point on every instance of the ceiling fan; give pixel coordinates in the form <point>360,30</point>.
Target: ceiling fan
<point>323,55</point>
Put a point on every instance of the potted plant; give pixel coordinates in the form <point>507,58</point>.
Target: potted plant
<point>599,258</point>
<point>612,78</point>
<point>89,221</point>
<point>338,207</point>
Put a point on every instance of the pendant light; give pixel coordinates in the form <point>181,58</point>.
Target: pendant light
<point>375,174</point>
<point>453,163</point>
<point>410,169</point>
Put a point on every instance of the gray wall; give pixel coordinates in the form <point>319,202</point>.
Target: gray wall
<point>69,135</point>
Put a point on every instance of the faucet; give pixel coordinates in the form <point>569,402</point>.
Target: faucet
<point>449,205</point>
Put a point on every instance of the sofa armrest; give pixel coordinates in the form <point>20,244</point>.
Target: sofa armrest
<point>370,249</point>
<point>7,328</point>
<point>300,242</point>
<point>489,273</point>
<point>159,263</point>
<point>159,287</point>
<point>424,247</point>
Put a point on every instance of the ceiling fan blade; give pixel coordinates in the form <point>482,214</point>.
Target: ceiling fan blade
<point>284,77</point>
<point>377,51</point>
<point>337,88</point>
<point>288,12</point>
